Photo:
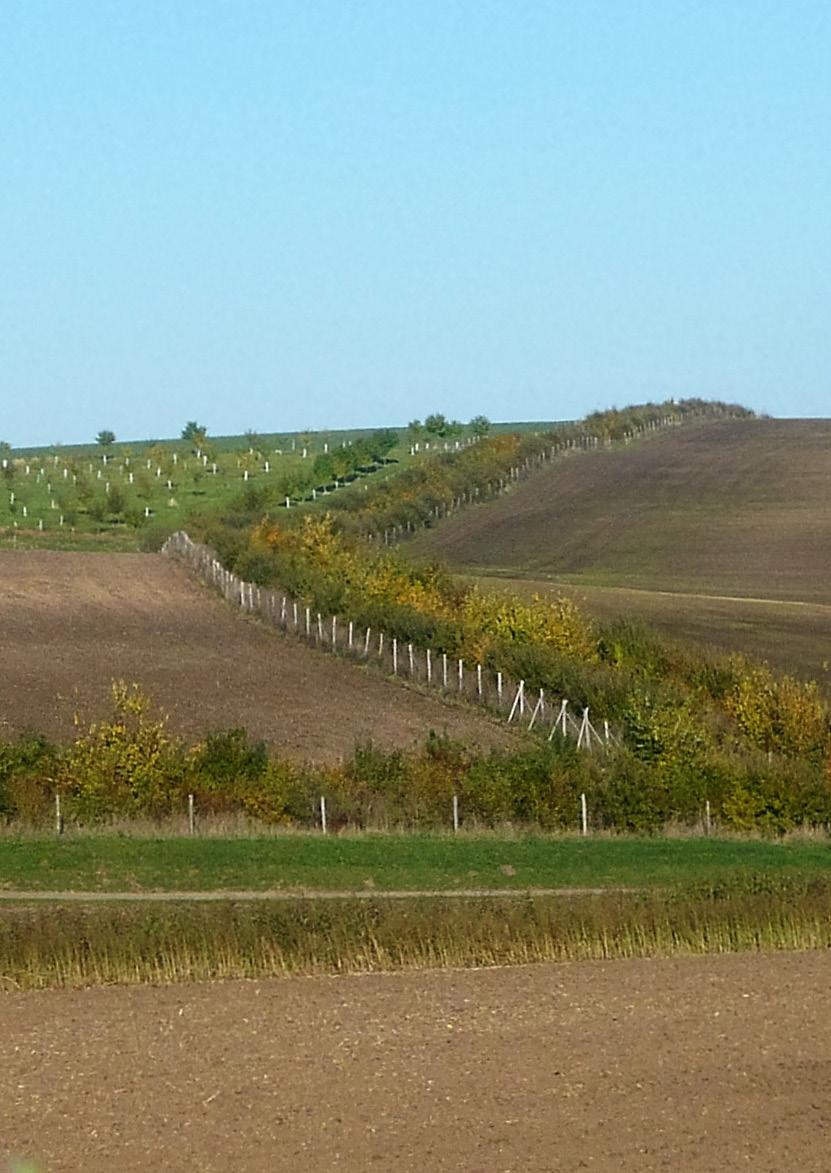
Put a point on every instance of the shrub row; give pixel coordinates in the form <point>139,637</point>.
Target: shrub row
<point>131,766</point>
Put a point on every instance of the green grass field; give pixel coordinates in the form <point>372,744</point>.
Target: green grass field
<point>379,863</point>
<point>109,495</point>
<point>92,497</point>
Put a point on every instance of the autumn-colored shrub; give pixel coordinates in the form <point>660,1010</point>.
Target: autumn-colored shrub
<point>128,764</point>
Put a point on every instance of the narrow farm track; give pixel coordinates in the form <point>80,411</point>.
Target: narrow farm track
<point>691,1064</point>
<point>71,623</point>
<point>163,896</point>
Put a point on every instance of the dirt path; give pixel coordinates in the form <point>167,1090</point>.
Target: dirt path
<point>686,1065</point>
<point>20,895</point>
<point>72,622</point>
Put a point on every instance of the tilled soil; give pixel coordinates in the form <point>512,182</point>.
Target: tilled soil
<point>71,623</point>
<point>723,507</point>
<point>694,1065</point>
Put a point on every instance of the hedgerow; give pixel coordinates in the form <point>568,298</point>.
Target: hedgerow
<point>131,766</point>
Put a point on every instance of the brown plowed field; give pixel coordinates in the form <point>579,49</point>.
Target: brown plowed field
<point>70,623</point>
<point>693,1066</point>
<point>733,507</point>
<point>678,530</point>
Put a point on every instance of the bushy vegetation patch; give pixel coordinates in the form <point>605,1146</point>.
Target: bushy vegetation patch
<point>131,766</point>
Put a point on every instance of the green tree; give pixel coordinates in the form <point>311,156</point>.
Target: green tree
<point>105,438</point>
<point>381,443</point>
<point>480,425</point>
<point>194,432</point>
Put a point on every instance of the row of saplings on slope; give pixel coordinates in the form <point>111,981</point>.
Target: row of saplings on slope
<point>130,766</point>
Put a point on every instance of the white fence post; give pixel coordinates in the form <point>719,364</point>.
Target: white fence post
<point>584,815</point>
<point>455,814</point>
<point>584,736</point>
<point>519,701</point>
<point>539,708</point>
<point>323,824</point>
<point>191,816</point>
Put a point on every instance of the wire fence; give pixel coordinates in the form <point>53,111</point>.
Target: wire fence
<point>449,676</point>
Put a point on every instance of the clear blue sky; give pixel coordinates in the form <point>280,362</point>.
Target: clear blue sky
<point>349,212</point>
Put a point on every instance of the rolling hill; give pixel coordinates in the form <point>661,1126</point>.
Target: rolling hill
<point>719,531</point>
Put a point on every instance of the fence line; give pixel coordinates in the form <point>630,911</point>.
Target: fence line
<point>583,441</point>
<point>473,683</point>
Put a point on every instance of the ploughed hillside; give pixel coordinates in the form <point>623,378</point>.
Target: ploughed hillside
<point>730,510</point>
<point>73,622</point>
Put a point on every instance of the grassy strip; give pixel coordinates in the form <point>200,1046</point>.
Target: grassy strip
<point>72,946</point>
<point>110,864</point>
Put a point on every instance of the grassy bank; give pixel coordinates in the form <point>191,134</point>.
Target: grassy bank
<point>310,862</point>
<point>76,946</point>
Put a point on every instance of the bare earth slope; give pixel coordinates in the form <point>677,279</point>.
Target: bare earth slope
<point>695,1065</point>
<point>738,507</point>
<point>71,623</point>
<point>726,510</point>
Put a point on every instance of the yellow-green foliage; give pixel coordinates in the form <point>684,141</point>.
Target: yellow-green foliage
<point>778,714</point>
<point>386,583</point>
<point>554,623</point>
<point>665,734</point>
<point>129,763</point>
